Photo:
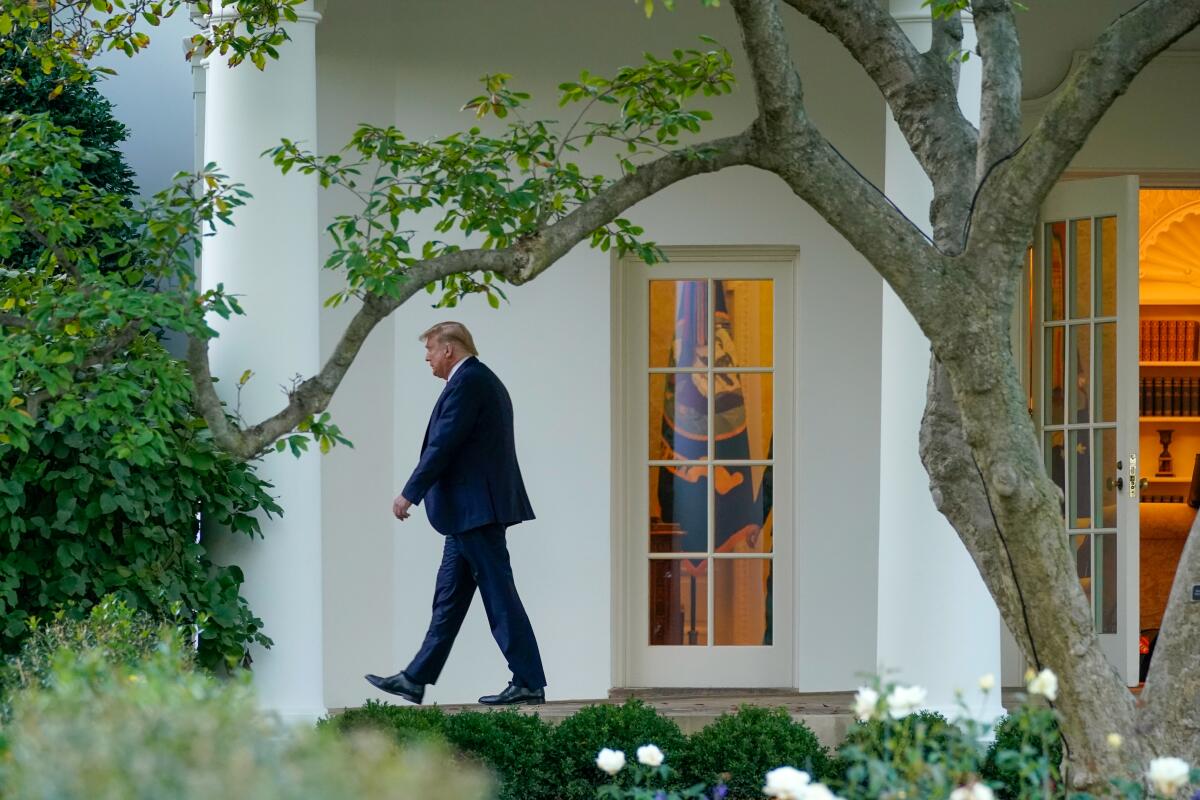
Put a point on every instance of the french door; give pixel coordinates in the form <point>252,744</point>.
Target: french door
<point>707,536</point>
<point>1084,306</point>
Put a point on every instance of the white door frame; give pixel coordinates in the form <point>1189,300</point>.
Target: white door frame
<point>625,618</point>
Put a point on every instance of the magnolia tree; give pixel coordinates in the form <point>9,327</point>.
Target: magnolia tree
<point>523,203</point>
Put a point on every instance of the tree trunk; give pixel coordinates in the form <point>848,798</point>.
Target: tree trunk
<point>987,477</point>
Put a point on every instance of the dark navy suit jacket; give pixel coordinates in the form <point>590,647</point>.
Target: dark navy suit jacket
<point>468,474</point>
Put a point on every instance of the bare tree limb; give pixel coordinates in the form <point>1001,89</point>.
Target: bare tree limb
<point>1172,692</point>
<point>1120,53</point>
<point>921,91</point>
<point>1000,105</point>
<point>796,151</point>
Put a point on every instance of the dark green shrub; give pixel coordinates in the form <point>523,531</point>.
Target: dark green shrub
<point>516,747</point>
<point>578,739</point>
<point>922,752</point>
<point>404,724</point>
<point>94,508</point>
<point>739,749</point>
<point>1025,755</point>
<point>158,729</point>
<point>118,634</point>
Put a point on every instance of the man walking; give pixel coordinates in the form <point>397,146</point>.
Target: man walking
<point>471,485</point>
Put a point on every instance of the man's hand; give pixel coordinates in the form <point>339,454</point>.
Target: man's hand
<point>400,507</point>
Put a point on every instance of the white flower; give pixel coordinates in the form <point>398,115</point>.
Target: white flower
<point>1115,741</point>
<point>987,682</point>
<point>611,761</point>
<point>865,702</point>
<point>904,700</point>
<point>786,783</point>
<point>650,755</point>
<point>973,791</point>
<point>1168,775</point>
<point>1044,683</point>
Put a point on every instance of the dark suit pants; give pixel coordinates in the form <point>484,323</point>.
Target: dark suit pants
<point>478,558</point>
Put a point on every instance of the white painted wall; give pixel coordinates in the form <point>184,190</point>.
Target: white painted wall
<point>152,95</point>
<point>551,346</point>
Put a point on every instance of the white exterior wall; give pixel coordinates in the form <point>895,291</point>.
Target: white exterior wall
<point>551,346</point>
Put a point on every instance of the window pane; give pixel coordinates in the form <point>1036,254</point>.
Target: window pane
<point>679,509</point>
<point>1106,266</point>
<point>1054,279</point>
<point>1052,365</point>
<point>1104,468</point>
<point>1079,482</point>
<point>1105,379</point>
<point>679,323</point>
<point>1055,460</point>
<point>1079,368</point>
<point>1081,545</point>
<point>744,419</point>
<point>742,601</point>
<point>1106,574</point>
<point>742,509</point>
<point>1080,254</point>
<point>678,602</point>
<point>744,323</point>
<point>678,416</point>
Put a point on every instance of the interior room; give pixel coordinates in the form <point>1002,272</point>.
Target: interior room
<point>1169,372</point>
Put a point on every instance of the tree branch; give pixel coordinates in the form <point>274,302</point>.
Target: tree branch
<point>1000,106</point>
<point>1172,692</point>
<point>520,263</point>
<point>1121,52</point>
<point>921,91</point>
<point>15,321</point>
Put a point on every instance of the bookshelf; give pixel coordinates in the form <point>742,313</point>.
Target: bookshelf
<point>1169,373</point>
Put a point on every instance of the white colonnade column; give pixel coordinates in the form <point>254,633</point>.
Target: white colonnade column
<point>938,626</point>
<point>270,259</point>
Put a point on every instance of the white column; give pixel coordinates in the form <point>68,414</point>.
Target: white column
<point>938,626</point>
<point>270,259</point>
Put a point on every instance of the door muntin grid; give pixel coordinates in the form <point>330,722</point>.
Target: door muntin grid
<point>1078,326</point>
<point>709,553</point>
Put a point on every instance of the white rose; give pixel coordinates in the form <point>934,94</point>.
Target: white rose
<point>865,702</point>
<point>1045,683</point>
<point>1168,775</point>
<point>650,755</point>
<point>904,700</point>
<point>1115,741</point>
<point>611,761</point>
<point>786,783</point>
<point>973,791</point>
<point>987,682</point>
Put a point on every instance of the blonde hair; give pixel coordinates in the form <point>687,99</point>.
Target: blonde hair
<point>451,333</point>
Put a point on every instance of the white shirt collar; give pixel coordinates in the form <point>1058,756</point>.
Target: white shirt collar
<point>454,369</point>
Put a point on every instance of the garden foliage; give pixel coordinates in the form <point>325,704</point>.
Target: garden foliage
<point>152,727</point>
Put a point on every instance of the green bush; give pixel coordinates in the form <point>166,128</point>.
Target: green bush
<point>577,740</point>
<point>403,724</point>
<point>921,754</point>
<point>120,634</point>
<point>739,749</point>
<point>1025,755</point>
<point>516,747</point>
<point>93,508</point>
<point>156,729</point>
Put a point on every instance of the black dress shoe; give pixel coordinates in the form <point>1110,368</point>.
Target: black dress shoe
<point>400,685</point>
<point>515,696</point>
